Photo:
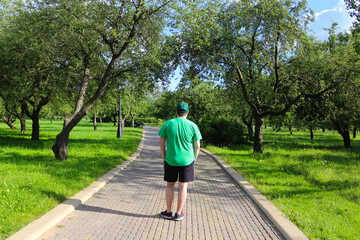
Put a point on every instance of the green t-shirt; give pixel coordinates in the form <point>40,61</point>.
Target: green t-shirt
<point>180,134</point>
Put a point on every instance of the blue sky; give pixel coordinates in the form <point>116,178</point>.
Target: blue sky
<point>326,12</point>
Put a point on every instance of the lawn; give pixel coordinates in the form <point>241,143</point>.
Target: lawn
<point>33,182</point>
<point>315,183</point>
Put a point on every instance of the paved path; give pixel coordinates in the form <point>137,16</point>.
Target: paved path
<point>128,206</point>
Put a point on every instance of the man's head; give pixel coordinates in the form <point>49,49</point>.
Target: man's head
<point>182,109</point>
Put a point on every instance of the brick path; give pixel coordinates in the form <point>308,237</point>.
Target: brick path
<point>128,206</point>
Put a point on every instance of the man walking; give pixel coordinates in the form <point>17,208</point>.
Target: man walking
<point>183,147</point>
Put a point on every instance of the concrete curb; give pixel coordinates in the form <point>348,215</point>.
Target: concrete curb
<point>283,224</point>
<point>43,224</point>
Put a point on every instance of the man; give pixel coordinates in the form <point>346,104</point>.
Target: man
<point>183,147</point>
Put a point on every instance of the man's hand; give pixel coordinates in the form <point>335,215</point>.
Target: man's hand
<point>197,149</point>
<point>162,142</point>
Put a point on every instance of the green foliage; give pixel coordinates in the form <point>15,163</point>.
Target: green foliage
<point>154,121</point>
<point>26,165</point>
<point>354,6</point>
<point>331,63</point>
<point>251,45</point>
<point>315,183</point>
<point>206,101</point>
<point>165,105</point>
<point>138,122</point>
<point>222,132</point>
<point>28,63</point>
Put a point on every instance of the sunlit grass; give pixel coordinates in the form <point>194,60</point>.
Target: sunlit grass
<point>32,181</point>
<point>315,183</point>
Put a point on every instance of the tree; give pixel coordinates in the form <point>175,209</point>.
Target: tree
<point>312,112</point>
<point>28,66</point>
<point>263,43</point>
<point>336,61</point>
<point>344,101</point>
<point>354,5</point>
<point>108,38</point>
<point>165,105</point>
<point>204,98</point>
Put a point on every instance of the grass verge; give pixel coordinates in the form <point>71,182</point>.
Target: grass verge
<point>315,183</point>
<point>32,181</point>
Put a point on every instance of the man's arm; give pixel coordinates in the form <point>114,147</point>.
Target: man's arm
<point>162,147</point>
<point>197,149</point>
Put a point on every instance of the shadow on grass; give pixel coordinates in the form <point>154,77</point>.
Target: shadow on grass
<point>19,141</point>
<point>328,141</point>
<point>315,164</point>
<point>75,168</point>
<point>54,195</point>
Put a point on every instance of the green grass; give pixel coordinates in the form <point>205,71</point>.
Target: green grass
<point>315,183</point>
<point>33,182</point>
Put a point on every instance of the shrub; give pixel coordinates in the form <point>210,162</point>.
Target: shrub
<point>222,132</point>
<point>138,122</point>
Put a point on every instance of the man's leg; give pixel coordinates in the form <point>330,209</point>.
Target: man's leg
<point>182,196</point>
<point>169,195</point>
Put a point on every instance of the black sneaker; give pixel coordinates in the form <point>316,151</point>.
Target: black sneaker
<point>179,217</point>
<point>167,215</point>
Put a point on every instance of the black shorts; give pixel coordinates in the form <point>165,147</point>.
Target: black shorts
<point>184,173</point>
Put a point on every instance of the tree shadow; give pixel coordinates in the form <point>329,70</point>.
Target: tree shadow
<point>88,208</point>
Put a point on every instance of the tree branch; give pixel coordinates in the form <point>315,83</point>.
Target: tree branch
<point>276,64</point>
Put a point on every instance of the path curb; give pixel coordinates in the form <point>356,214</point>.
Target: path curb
<point>283,224</point>
<point>47,221</point>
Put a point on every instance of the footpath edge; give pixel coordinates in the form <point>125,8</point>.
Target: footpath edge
<point>40,226</point>
<point>282,223</point>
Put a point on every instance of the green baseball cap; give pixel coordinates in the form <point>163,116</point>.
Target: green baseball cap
<point>182,107</point>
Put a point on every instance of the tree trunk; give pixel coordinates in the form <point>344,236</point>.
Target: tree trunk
<point>8,121</point>
<point>60,148</point>
<point>115,116</point>
<point>123,121</point>
<point>250,128</point>
<point>258,137</point>
<point>123,124</point>
<point>35,135</point>
<point>95,127</point>
<point>22,118</point>
<point>23,124</point>
<point>290,130</point>
<point>311,133</point>
<point>346,137</point>
<point>133,120</point>
<point>354,132</point>
<point>343,130</point>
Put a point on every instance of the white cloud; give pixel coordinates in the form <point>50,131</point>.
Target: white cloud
<point>340,8</point>
<point>323,12</point>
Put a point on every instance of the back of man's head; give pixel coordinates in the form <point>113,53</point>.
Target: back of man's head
<point>182,108</point>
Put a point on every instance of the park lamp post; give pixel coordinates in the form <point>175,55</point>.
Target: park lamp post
<point>119,130</point>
